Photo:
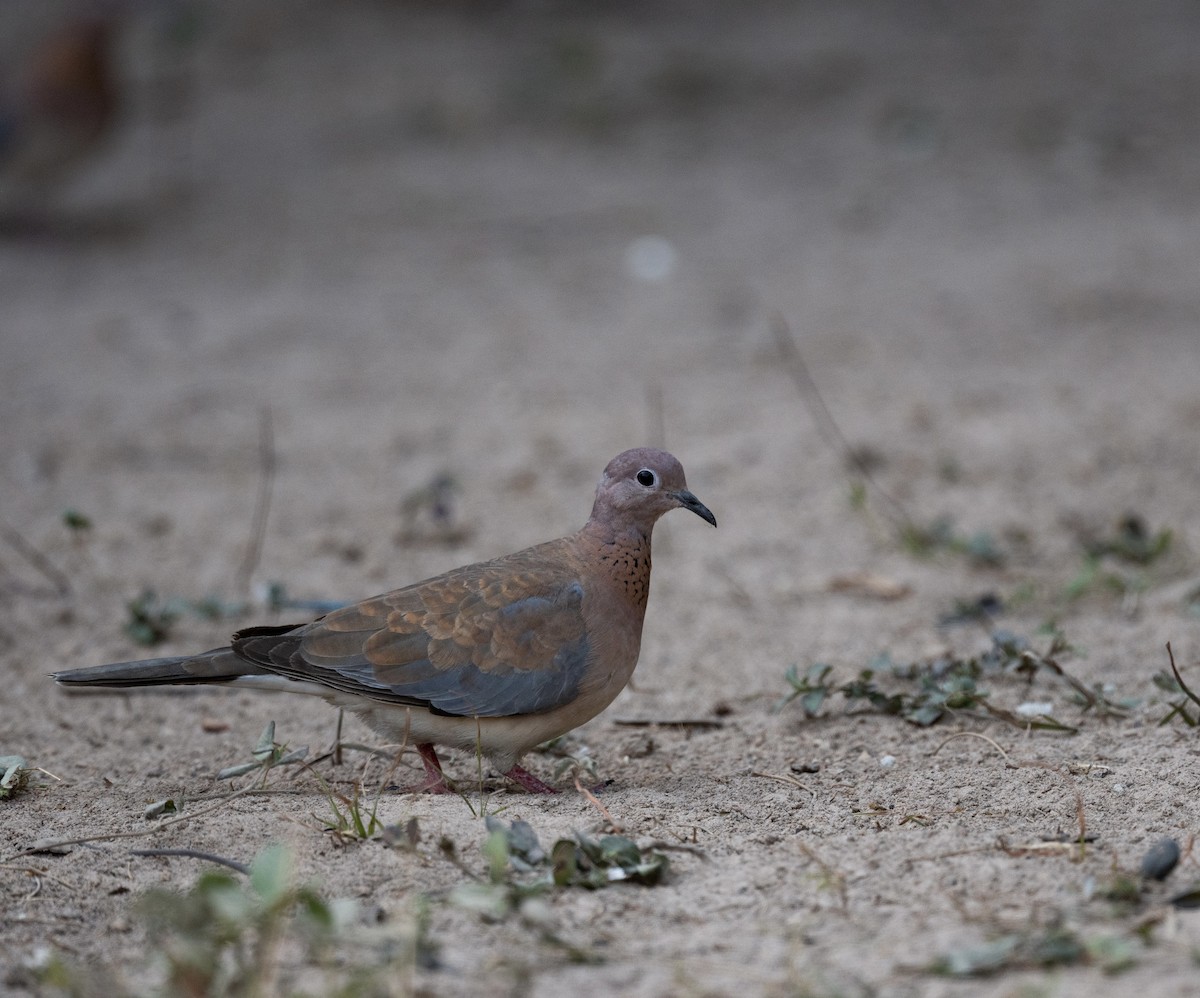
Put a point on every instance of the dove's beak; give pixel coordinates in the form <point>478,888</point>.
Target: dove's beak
<point>689,501</point>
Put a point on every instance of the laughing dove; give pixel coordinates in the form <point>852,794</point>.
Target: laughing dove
<point>498,656</point>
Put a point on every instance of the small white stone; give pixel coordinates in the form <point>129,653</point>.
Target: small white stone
<point>1035,708</point>
<point>39,958</point>
<point>1118,788</point>
<point>651,259</point>
<point>887,761</point>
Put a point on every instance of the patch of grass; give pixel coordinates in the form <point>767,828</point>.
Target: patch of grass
<point>940,536</point>
<point>261,935</point>
<point>1093,578</point>
<point>520,870</point>
<point>517,859</point>
<point>151,617</point>
<point>1117,563</point>
<point>349,822</point>
<point>520,873</point>
<point>1131,541</point>
<point>980,610</point>
<point>1173,683</point>
<point>946,685</point>
<point>1040,949</point>
<point>429,513</point>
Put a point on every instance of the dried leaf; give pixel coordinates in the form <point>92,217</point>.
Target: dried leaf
<point>870,584</point>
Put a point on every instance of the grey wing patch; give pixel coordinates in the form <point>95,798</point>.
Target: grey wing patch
<point>527,656</point>
<point>467,691</point>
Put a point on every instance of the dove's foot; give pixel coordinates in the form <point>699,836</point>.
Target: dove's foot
<point>530,782</point>
<point>435,779</point>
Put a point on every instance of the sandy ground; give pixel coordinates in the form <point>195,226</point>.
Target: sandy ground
<point>409,232</point>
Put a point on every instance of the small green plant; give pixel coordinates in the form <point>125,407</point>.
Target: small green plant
<point>811,689</point>
<point>946,685</point>
<point>222,938</point>
<point>1057,945</point>
<point>150,619</point>
<point>1179,706</point>
<point>520,869</point>
<point>267,754</point>
<point>610,859</point>
<point>226,936</point>
<point>14,776</point>
<point>349,822</point>
<point>520,873</point>
<point>575,759</point>
<point>1173,683</point>
<point>261,935</point>
<point>1132,546</point>
<point>1131,541</point>
<point>75,521</point>
<point>429,513</point>
<point>1122,890</point>
<point>924,541</point>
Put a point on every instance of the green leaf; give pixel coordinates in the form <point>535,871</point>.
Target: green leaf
<point>564,858</point>
<point>271,874</point>
<point>265,748</point>
<point>16,775</point>
<point>225,898</point>
<point>925,715</point>
<point>160,808</point>
<point>811,702</point>
<point>617,850</point>
<point>1057,946</point>
<point>318,912</point>
<point>495,849</point>
<point>489,900</point>
<point>75,520</point>
<point>973,960</point>
<point>1112,953</point>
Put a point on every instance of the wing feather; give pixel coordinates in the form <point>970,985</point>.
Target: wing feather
<point>492,640</point>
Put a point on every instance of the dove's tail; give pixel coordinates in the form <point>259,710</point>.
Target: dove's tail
<point>220,665</point>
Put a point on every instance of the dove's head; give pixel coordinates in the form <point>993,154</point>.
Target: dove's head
<point>640,485</point>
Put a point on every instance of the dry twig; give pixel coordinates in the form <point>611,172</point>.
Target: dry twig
<point>44,845</point>
<point>592,799</point>
<point>57,578</point>
<point>208,857</point>
<point>826,425</point>
<point>262,505</point>
<point>975,734</point>
<point>1179,679</point>
<point>783,778</point>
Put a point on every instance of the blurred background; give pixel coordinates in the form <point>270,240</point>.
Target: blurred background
<point>501,241</point>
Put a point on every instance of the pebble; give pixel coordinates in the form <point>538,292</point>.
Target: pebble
<point>1160,860</point>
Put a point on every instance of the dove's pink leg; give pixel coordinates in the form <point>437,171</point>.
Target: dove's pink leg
<point>435,779</point>
<point>530,782</point>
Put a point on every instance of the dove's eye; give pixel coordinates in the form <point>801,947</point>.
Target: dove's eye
<point>647,477</point>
